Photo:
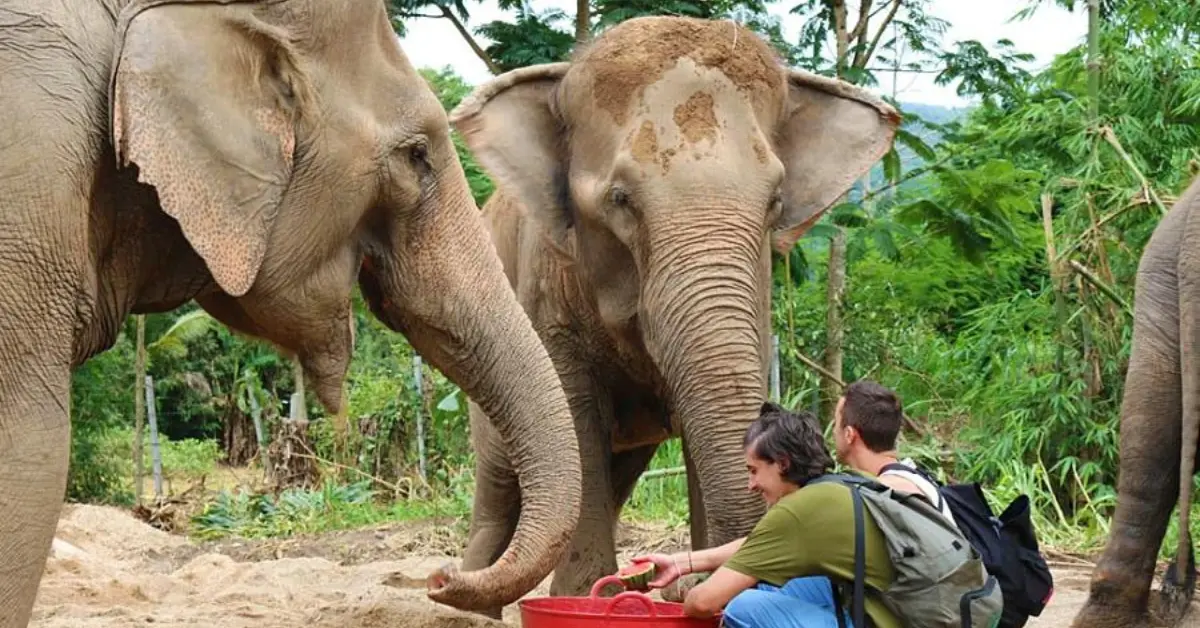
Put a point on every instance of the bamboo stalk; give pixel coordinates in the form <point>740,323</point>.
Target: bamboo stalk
<point>662,473</point>
<point>1101,286</point>
<point>1090,230</point>
<point>1111,138</point>
<point>1060,304</point>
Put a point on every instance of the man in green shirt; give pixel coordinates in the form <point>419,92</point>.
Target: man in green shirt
<point>779,576</point>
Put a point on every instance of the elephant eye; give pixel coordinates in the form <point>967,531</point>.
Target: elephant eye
<point>419,153</point>
<point>776,206</point>
<point>618,196</point>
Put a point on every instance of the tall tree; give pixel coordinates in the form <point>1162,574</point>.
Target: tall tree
<point>858,33</point>
<point>454,11</point>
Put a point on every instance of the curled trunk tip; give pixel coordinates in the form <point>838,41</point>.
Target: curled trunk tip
<point>505,581</point>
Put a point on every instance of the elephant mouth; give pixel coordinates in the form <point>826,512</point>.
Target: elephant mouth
<point>374,294</point>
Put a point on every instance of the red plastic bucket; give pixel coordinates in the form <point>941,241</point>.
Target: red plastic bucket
<point>625,609</point>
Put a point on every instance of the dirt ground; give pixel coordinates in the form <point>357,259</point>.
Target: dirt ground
<point>110,569</point>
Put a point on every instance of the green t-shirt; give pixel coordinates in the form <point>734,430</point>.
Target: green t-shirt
<point>811,533</point>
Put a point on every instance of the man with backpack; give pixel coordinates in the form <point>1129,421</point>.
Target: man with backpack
<point>866,426</point>
<point>833,550</point>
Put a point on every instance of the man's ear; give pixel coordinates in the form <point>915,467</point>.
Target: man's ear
<point>513,127</point>
<point>831,134</point>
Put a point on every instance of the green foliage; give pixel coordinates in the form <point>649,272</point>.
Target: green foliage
<point>332,507</point>
<point>102,392</point>
<point>612,12</point>
<point>534,38</point>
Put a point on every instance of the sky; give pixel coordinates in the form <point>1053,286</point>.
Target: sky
<point>435,43</point>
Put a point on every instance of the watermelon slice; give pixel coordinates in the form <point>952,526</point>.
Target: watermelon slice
<point>637,576</point>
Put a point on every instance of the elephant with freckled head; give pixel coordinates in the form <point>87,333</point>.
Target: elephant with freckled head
<point>259,157</point>
<point>639,186</point>
<point>1160,427</point>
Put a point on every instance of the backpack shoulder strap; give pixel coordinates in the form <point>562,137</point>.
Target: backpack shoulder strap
<point>849,479</point>
<point>858,599</point>
<point>860,558</point>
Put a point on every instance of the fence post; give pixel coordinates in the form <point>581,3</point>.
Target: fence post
<point>775,393</point>
<point>155,454</point>
<point>417,372</point>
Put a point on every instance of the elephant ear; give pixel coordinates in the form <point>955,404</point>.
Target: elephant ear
<point>832,134</point>
<point>512,126</point>
<point>203,102</point>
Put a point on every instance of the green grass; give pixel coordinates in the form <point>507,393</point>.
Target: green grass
<point>663,498</point>
<point>297,511</point>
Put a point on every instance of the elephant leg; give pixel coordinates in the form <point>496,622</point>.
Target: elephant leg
<point>1148,481</point>
<point>627,469</point>
<point>35,437</point>
<point>497,501</point>
<point>592,554</point>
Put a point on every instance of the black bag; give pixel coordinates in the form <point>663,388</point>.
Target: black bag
<point>1008,546</point>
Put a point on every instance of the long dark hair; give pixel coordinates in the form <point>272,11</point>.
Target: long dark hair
<point>791,439</point>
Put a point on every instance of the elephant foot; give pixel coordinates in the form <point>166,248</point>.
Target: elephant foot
<point>678,590</point>
<point>1094,615</point>
<point>1174,597</point>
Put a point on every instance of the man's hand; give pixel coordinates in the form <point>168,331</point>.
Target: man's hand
<point>666,569</point>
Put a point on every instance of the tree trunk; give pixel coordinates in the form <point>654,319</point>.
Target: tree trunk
<point>836,279</point>
<point>1093,62</point>
<point>139,407</point>
<point>583,15</point>
<point>834,329</point>
<point>466,35</point>
<point>239,438</point>
<point>843,37</point>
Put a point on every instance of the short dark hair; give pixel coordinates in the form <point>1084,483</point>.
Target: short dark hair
<point>791,439</point>
<point>876,413</point>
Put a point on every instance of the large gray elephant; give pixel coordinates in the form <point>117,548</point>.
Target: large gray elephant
<point>258,157</point>
<point>638,186</point>
<point>1160,417</point>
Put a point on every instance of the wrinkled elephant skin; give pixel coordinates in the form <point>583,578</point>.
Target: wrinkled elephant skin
<point>260,158</point>
<point>1159,419</point>
<point>639,186</point>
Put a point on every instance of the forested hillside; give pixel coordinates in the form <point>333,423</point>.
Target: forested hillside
<point>985,271</point>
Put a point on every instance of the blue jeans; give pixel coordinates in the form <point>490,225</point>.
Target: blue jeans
<point>800,603</point>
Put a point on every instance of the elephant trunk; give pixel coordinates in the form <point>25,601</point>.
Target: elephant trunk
<point>705,324</point>
<point>505,368</point>
<point>451,299</point>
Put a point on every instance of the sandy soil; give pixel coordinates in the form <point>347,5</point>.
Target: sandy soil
<point>110,569</point>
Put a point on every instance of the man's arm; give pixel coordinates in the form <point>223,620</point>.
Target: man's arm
<point>710,596</point>
<point>708,559</point>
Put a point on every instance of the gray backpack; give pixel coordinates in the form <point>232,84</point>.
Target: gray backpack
<point>940,580</point>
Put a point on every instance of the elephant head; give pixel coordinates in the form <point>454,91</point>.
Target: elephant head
<point>661,158</point>
<point>299,152</point>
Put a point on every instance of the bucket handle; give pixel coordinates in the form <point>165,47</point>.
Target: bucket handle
<point>620,597</point>
<point>603,582</point>
<point>631,595</point>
